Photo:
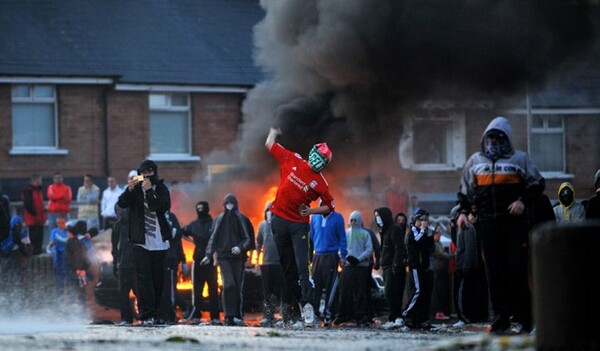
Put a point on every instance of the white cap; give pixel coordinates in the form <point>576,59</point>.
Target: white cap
<point>132,173</point>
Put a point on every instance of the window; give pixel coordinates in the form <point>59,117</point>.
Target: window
<point>170,124</point>
<point>547,143</point>
<point>34,125</point>
<point>433,143</point>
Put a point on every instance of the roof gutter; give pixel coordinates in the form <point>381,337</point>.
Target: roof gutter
<point>181,88</point>
<point>55,80</point>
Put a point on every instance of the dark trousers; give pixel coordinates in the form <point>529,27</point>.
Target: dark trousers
<point>232,271</point>
<point>292,243</point>
<point>506,248</point>
<point>149,272</point>
<point>272,283</point>
<point>169,293</point>
<point>394,291</point>
<point>419,300</point>
<point>205,275</point>
<point>325,277</point>
<point>353,293</point>
<point>440,294</point>
<point>126,284</point>
<point>465,297</point>
<point>36,235</point>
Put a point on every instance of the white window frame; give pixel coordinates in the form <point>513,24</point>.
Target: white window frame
<point>548,130</point>
<point>169,107</point>
<point>32,99</point>
<point>456,154</point>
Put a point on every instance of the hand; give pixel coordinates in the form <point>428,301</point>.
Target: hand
<point>462,220</point>
<point>235,250</point>
<point>305,211</point>
<point>516,208</point>
<point>205,261</point>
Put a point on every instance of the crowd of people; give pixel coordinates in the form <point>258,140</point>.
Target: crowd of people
<point>316,267</point>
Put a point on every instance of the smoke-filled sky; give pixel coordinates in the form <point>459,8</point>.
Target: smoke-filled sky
<point>343,70</point>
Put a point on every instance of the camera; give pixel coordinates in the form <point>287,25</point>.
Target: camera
<point>139,178</point>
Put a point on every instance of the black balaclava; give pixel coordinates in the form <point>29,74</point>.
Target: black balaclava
<point>149,164</point>
<point>566,194</point>
<point>204,213</point>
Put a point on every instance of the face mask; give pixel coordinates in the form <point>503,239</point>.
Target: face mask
<point>379,221</point>
<point>566,197</point>
<point>229,206</point>
<point>316,161</point>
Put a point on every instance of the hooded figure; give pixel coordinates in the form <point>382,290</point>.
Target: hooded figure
<point>567,210</point>
<point>230,239</point>
<point>498,185</point>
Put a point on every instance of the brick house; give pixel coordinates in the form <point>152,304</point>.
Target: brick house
<point>95,87</point>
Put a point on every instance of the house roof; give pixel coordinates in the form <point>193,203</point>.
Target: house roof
<point>205,42</point>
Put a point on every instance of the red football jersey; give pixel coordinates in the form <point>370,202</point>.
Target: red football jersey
<point>299,185</point>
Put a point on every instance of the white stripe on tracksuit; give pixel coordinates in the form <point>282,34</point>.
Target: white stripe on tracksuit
<point>415,297</point>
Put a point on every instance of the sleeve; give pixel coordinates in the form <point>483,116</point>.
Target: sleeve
<point>213,236</point>
<point>248,243</point>
<point>281,154</point>
<point>28,201</point>
<point>368,252</point>
<point>327,200</point>
<point>259,236</point>
<point>339,229</point>
<point>534,182</point>
<point>126,198</point>
<point>159,200</point>
<point>467,188</point>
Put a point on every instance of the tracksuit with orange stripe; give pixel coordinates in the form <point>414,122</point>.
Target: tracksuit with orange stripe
<point>488,187</point>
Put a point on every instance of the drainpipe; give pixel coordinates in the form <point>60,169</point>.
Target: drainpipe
<point>105,117</point>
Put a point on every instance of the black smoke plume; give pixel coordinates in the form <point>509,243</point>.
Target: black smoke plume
<point>343,70</point>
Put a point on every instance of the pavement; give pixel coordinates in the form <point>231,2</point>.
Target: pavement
<point>34,334</point>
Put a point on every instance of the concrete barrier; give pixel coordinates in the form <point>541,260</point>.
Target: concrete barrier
<point>566,294</point>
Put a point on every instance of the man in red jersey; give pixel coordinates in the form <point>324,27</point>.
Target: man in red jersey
<point>301,183</point>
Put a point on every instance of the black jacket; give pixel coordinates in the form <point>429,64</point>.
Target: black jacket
<point>419,246</point>
<point>393,251</point>
<point>121,248</point>
<point>159,200</point>
<point>200,231</point>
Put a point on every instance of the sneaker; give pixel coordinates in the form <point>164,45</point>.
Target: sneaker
<point>148,322</point>
<point>229,322</point>
<point>327,323</point>
<point>308,313</point>
<point>215,322</point>
<point>123,323</point>
<point>398,323</point>
<point>459,325</point>
<point>239,322</point>
<point>441,316</point>
<point>389,325</point>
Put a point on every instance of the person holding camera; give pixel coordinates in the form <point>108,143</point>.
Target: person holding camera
<point>148,201</point>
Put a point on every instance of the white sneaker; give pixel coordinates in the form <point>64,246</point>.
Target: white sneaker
<point>389,325</point>
<point>398,323</point>
<point>459,325</point>
<point>308,313</point>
